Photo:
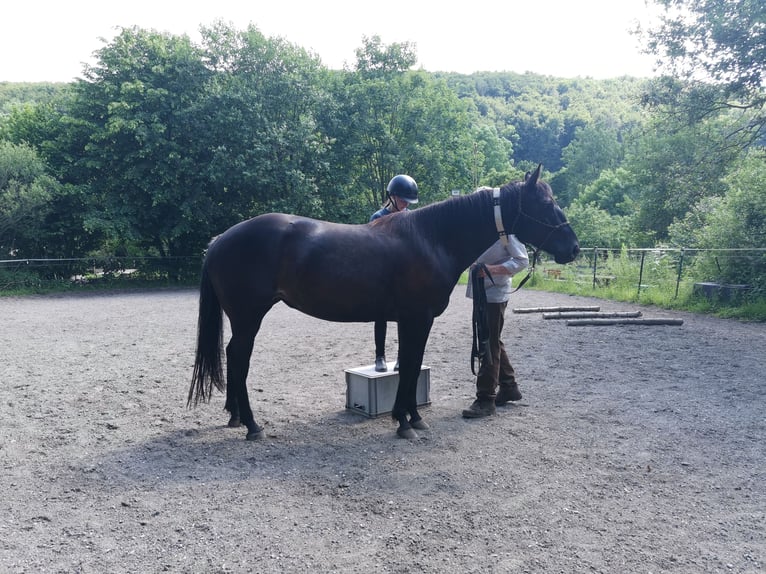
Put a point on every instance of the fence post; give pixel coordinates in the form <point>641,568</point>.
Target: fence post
<point>595,257</point>
<point>680,269</point>
<point>641,273</point>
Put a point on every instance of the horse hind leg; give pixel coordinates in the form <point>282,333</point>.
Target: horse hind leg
<point>407,413</point>
<point>238,353</point>
<point>231,406</point>
<point>413,335</point>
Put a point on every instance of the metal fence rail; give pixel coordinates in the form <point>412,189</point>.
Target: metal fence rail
<point>674,271</point>
<point>39,273</point>
<point>710,272</point>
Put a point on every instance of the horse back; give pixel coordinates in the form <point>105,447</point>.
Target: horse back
<point>332,271</point>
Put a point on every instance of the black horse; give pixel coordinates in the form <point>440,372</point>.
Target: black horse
<point>399,268</point>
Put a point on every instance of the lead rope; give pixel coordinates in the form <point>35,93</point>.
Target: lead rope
<point>480,321</point>
<point>530,272</point>
<point>503,234</point>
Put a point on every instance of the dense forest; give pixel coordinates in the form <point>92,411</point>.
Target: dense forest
<point>164,143</point>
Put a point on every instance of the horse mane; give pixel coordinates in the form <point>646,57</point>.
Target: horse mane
<point>437,220</point>
<point>432,219</point>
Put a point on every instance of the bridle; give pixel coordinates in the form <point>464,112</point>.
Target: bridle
<point>503,234</point>
<point>479,322</point>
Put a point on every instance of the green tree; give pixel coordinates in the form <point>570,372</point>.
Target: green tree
<point>674,169</point>
<point>268,153</point>
<point>595,148</point>
<point>491,159</point>
<point>26,192</point>
<point>539,124</point>
<point>58,140</point>
<point>614,190</point>
<point>400,121</point>
<point>713,53</point>
<point>595,227</point>
<point>141,159</point>
<point>16,94</point>
<point>734,220</point>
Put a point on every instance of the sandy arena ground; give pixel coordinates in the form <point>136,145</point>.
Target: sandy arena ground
<point>636,449</point>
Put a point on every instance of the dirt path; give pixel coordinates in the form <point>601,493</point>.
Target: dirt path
<point>635,449</point>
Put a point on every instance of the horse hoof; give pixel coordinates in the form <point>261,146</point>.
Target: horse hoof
<point>409,433</point>
<point>257,434</point>
<point>419,424</point>
<point>234,422</point>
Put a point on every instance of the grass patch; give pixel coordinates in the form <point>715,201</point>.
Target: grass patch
<point>748,308</point>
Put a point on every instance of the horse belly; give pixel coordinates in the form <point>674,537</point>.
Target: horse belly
<point>335,301</point>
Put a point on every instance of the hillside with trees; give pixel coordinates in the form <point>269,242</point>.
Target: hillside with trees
<point>164,143</point>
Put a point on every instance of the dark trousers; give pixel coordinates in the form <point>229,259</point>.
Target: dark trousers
<point>380,338</point>
<point>500,372</point>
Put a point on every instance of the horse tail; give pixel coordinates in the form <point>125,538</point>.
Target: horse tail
<point>208,370</point>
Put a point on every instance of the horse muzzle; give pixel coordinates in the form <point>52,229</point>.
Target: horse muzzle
<point>567,256</point>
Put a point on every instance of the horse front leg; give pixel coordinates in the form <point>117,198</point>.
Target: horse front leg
<point>413,335</point>
<point>238,353</point>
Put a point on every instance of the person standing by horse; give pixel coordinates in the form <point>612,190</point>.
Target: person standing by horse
<point>402,190</point>
<point>496,381</point>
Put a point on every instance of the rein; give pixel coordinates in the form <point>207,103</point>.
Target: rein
<point>479,321</point>
<point>530,271</point>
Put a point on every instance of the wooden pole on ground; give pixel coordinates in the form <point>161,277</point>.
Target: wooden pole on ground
<point>593,315</point>
<point>553,309</point>
<point>603,322</point>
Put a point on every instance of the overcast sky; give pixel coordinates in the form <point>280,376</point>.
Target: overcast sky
<point>48,40</point>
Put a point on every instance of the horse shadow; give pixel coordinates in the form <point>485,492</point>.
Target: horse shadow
<point>337,452</point>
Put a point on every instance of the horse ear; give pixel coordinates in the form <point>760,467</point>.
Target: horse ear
<point>531,180</point>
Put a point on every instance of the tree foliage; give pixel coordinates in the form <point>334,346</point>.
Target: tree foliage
<point>164,143</point>
<point>261,107</point>
<point>735,219</point>
<point>26,192</point>
<point>139,152</point>
<point>674,169</point>
<point>399,121</point>
<point>596,227</point>
<point>713,53</point>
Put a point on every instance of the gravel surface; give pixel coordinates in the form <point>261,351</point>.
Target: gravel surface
<point>636,449</point>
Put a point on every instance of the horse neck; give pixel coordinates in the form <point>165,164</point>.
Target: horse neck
<point>464,226</point>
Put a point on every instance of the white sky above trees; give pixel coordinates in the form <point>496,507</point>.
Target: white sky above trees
<point>48,40</point>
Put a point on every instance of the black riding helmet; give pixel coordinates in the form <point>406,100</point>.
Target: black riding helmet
<point>403,186</point>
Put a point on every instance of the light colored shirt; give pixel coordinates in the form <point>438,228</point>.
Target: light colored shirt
<point>513,257</point>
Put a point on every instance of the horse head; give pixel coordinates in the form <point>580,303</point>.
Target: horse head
<point>538,220</point>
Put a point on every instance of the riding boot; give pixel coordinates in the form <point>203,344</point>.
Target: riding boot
<point>487,379</point>
<point>480,408</point>
<point>508,391</point>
